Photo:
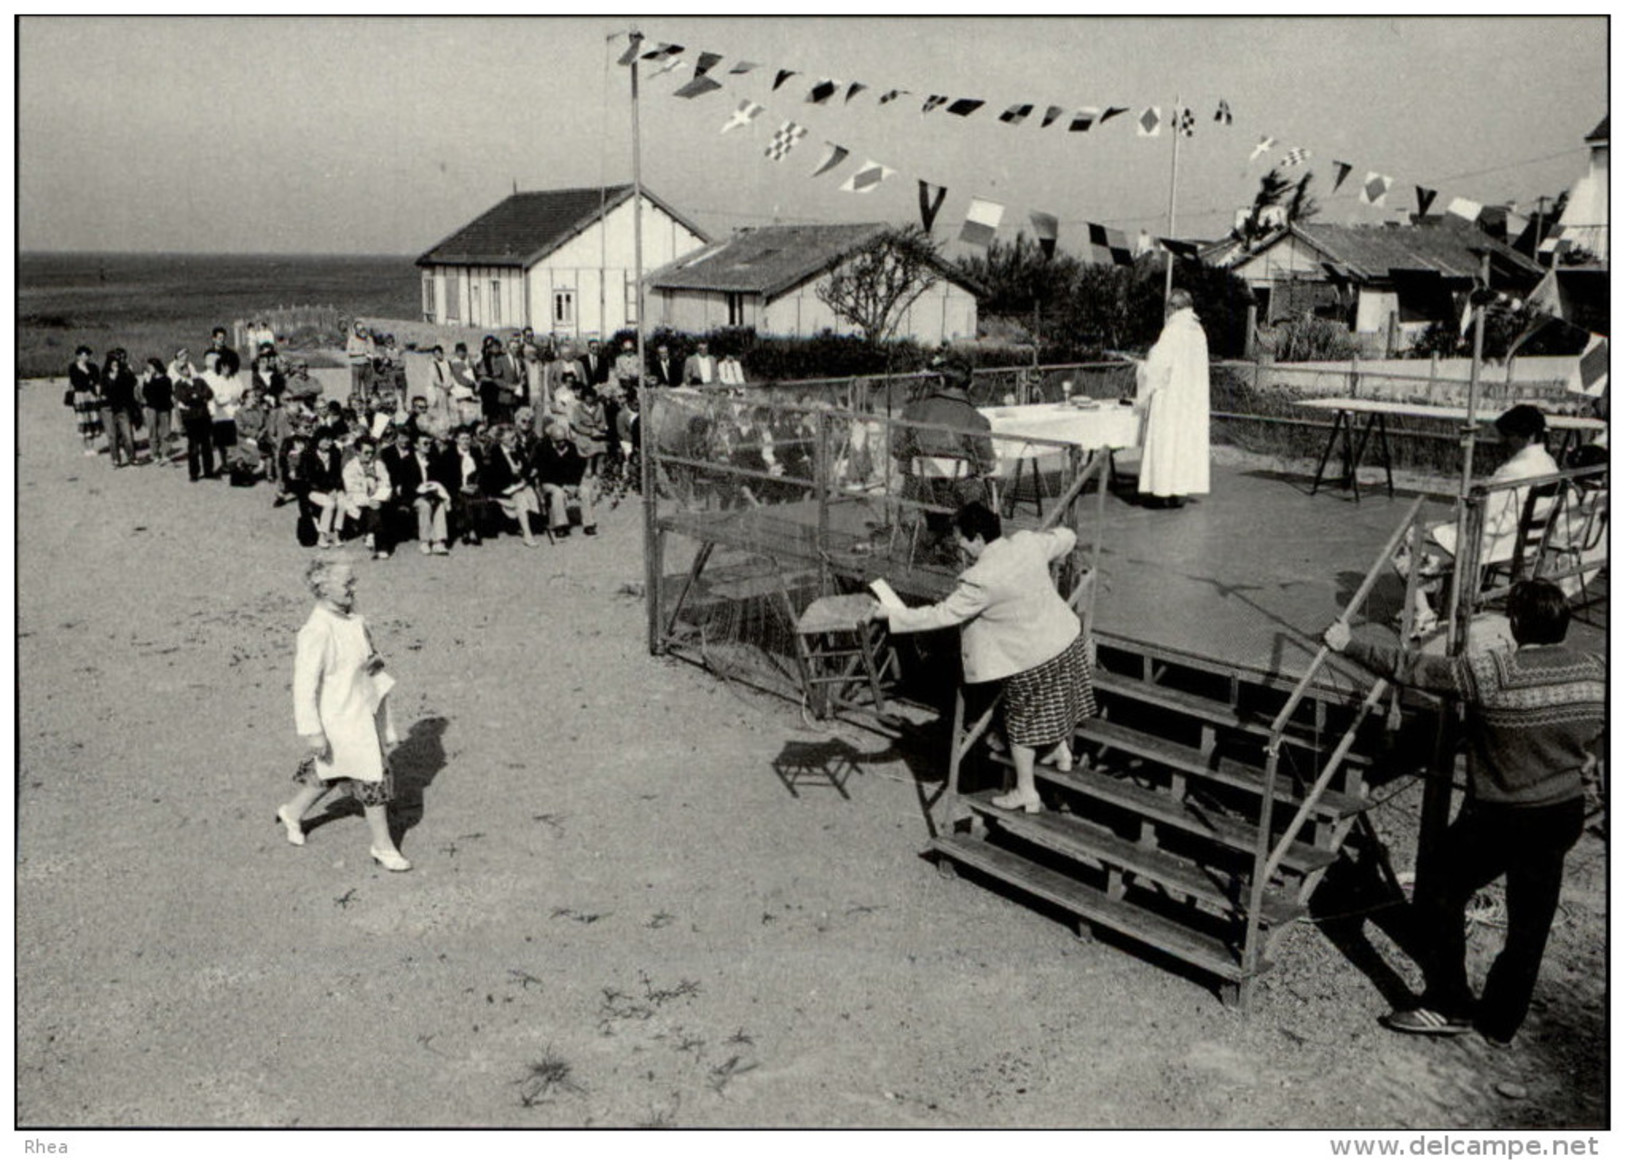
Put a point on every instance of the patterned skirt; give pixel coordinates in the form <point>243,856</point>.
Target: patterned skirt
<point>1043,704</point>
<point>87,410</point>
<point>366,793</point>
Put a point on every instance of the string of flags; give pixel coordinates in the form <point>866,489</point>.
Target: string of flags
<point>984,216</point>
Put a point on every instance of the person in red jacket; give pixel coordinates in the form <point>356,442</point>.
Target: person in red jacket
<point>1534,717</point>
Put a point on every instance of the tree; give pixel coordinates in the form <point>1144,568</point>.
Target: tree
<point>1276,192</point>
<point>1017,276</point>
<point>872,287</point>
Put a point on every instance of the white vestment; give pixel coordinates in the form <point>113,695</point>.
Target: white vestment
<point>334,694</point>
<point>1172,390</point>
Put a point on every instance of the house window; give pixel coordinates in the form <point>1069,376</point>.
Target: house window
<point>564,307</point>
<point>454,297</point>
<point>428,296</point>
<point>496,303</point>
<point>631,302</point>
<point>736,310</point>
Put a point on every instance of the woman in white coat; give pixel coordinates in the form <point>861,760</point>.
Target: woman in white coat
<point>341,710</point>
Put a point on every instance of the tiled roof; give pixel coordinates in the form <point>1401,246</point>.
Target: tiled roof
<point>1371,252</point>
<point>1600,133</point>
<point>770,260</point>
<point>766,260</point>
<point>526,227</point>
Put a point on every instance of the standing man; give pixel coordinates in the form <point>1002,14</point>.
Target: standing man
<point>627,372</point>
<point>595,364</point>
<point>359,350</point>
<point>1534,716</point>
<point>1172,392</point>
<point>230,361</point>
<point>666,372</point>
<point>700,367</point>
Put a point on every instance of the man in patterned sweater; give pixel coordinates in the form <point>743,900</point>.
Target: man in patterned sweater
<point>1534,717</point>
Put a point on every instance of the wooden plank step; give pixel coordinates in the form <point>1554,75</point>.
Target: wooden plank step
<point>1228,771</point>
<point>1209,954</point>
<point>1233,833</point>
<point>1207,709</point>
<point>1077,839</point>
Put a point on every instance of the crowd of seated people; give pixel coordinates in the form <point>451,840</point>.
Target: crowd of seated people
<point>376,468</point>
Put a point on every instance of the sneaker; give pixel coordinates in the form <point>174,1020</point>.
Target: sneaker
<point>440,548</point>
<point>1426,1022</point>
<point>590,530</point>
<point>382,554</point>
<point>423,547</point>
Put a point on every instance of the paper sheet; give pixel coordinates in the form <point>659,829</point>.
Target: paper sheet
<point>886,594</point>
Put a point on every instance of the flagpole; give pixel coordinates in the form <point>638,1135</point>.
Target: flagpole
<point>1173,190</point>
<point>652,565</point>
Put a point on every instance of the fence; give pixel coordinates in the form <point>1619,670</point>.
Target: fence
<point>758,504</point>
<point>293,326</point>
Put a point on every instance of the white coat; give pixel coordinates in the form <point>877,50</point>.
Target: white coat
<point>1172,389</point>
<point>334,694</point>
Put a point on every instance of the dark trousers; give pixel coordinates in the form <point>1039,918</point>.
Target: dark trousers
<point>120,436</point>
<point>1527,844</point>
<point>376,522</point>
<point>199,446</point>
<point>612,411</point>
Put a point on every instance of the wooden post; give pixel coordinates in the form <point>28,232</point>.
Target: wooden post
<point>1250,341</point>
<point>821,487</point>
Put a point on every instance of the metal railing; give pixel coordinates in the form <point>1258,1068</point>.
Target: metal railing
<point>1267,858</point>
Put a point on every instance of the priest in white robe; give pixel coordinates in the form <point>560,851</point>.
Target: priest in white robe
<point>1172,393</point>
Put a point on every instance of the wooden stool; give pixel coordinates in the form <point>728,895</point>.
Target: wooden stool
<point>839,654</point>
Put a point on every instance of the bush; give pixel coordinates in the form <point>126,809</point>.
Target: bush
<point>1313,340</point>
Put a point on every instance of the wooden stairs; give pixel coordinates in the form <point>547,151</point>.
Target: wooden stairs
<point>1162,831</point>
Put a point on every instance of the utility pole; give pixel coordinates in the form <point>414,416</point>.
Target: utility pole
<point>652,564</point>
<point>1173,191</point>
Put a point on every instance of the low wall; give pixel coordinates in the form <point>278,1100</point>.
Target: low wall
<point>1423,380</point>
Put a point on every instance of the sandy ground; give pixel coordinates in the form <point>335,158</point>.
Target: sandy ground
<point>619,916</point>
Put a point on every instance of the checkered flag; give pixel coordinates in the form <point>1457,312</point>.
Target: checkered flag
<point>785,138</point>
<point>1297,155</point>
<point>1222,113</point>
<point>1187,123</point>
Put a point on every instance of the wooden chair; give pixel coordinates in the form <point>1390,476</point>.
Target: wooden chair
<point>1541,510</point>
<point>840,655</point>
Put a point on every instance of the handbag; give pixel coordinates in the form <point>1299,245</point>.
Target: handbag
<point>67,397</point>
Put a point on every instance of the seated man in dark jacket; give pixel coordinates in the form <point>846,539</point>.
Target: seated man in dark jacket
<point>560,468</point>
<point>461,470</point>
<point>947,469</point>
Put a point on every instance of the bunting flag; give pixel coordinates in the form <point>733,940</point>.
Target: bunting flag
<point>785,138</point>
<point>1180,248</point>
<point>1016,114</point>
<point>698,87</point>
<point>662,51</point>
<point>1297,155</point>
<point>1149,123</point>
<point>1424,199</point>
<point>965,106</point>
<point>631,53</point>
<point>933,102</point>
<point>1375,189</point>
<point>1050,114</point>
<point>707,62</point>
<point>981,222</point>
<point>833,156</point>
<point>1046,228</point>
<point>1187,122</point>
<point>784,75</point>
<point>891,95</point>
<point>1343,169</point>
<point>1108,247</point>
<point>822,91</point>
<point>747,112</point>
<point>1112,111</point>
<point>1591,373</point>
<point>868,176</point>
<point>1222,113</point>
<point>1556,243</point>
<point>930,202</point>
<point>1083,119</point>
<point>854,89</point>
<point>671,63</point>
<point>742,68</point>
<point>1464,208</point>
<point>1265,144</point>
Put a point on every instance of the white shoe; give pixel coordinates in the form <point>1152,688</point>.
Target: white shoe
<point>391,860</point>
<point>423,547</point>
<point>295,829</point>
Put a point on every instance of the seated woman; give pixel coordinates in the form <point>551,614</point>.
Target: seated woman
<point>324,474</point>
<point>463,473</point>
<point>1015,629</point>
<point>367,493</point>
<point>253,433</point>
<point>1523,433</point>
<point>510,481</point>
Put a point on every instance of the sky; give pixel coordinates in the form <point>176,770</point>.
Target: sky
<point>382,136</point>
